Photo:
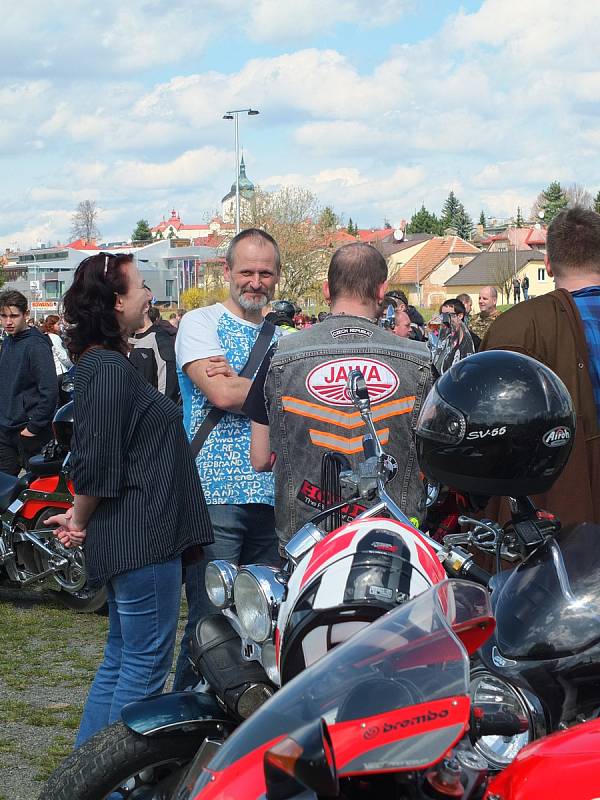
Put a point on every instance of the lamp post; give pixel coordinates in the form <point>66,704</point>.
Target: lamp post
<point>235,116</point>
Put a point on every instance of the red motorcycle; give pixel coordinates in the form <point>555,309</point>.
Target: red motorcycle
<point>563,765</point>
<point>386,714</point>
<point>29,553</point>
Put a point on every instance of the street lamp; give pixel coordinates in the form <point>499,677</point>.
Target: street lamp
<point>235,115</point>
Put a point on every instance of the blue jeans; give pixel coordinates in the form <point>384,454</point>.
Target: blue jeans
<point>143,611</point>
<point>244,534</point>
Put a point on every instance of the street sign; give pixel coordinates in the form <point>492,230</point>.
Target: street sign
<point>44,305</point>
<point>34,286</point>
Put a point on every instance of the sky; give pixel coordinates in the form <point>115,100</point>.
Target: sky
<point>376,108</point>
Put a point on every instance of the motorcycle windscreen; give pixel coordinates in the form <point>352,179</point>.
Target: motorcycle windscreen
<point>549,606</point>
<point>407,661</point>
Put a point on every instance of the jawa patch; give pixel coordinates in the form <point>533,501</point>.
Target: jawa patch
<point>328,382</point>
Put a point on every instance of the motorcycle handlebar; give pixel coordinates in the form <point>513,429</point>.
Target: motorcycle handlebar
<point>497,723</point>
<point>369,447</point>
<point>475,573</point>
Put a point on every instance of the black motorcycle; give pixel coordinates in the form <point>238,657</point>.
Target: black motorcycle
<point>543,660</point>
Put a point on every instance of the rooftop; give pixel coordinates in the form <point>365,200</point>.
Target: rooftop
<point>430,256</point>
<point>486,268</point>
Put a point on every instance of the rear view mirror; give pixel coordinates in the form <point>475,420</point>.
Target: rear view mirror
<point>303,760</point>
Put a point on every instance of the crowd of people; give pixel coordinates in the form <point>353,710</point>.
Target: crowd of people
<point>201,437</point>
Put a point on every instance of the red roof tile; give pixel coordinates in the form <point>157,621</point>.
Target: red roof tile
<point>429,257</point>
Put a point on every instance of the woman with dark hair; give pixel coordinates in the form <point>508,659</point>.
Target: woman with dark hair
<point>136,514</point>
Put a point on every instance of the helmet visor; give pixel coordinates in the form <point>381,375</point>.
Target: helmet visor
<point>439,421</point>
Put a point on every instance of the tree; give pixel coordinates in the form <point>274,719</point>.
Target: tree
<point>423,221</point>
<point>597,203</point>
<point>519,221</point>
<point>386,224</point>
<point>328,219</point>
<point>551,201</point>
<point>504,272</point>
<point>142,232</point>
<point>463,223</point>
<point>350,227</point>
<point>84,221</point>
<point>195,297</point>
<point>482,219</point>
<point>288,215</point>
<point>450,211</point>
<point>578,195</point>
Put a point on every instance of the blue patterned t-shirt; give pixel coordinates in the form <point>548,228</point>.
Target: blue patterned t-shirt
<point>224,460</point>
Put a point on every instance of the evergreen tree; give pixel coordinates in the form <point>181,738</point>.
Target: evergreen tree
<point>350,227</point>
<point>597,203</point>
<point>463,223</point>
<point>519,222</point>
<point>142,232</point>
<point>423,222</point>
<point>552,201</point>
<point>482,219</point>
<point>386,224</point>
<point>450,212</point>
<point>329,219</point>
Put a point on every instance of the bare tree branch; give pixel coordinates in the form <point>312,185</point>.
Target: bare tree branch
<point>84,221</point>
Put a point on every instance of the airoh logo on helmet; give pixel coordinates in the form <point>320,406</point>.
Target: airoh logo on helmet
<point>328,382</point>
<point>557,437</point>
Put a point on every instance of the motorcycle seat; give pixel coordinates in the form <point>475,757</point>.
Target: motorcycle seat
<point>43,469</point>
<point>10,488</point>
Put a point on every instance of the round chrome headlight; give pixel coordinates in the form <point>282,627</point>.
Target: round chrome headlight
<point>487,689</point>
<point>219,580</point>
<point>257,594</point>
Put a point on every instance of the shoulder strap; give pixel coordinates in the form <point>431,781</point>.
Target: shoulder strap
<point>214,416</point>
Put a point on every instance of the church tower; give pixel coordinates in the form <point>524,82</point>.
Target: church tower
<point>246,194</point>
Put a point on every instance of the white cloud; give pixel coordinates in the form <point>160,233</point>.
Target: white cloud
<point>272,20</point>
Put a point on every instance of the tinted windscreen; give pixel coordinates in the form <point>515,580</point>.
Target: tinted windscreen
<point>408,658</point>
<point>550,605</point>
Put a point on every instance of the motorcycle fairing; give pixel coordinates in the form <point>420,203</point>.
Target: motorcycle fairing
<point>407,669</point>
<point>361,746</point>
<point>549,606</point>
<point>565,764</point>
<point>370,745</point>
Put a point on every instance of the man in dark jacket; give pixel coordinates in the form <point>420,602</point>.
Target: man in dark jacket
<point>28,388</point>
<point>153,355</point>
<point>562,330</point>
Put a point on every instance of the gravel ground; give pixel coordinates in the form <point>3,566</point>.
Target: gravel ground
<point>48,658</point>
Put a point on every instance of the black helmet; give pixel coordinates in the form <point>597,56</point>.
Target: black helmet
<point>62,425</point>
<point>496,423</point>
<point>285,307</point>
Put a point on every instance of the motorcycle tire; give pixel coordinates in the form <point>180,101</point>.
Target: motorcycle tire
<point>86,601</point>
<point>115,757</point>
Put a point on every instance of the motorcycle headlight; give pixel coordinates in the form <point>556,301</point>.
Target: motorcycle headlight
<point>257,593</point>
<point>219,580</point>
<point>487,689</point>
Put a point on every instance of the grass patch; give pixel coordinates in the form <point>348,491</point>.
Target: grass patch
<point>59,749</point>
<point>53,715</point>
